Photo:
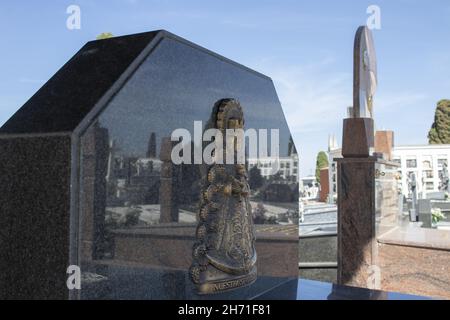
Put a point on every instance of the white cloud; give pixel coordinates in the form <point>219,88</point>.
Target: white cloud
<point>313,98</point>
<point>388,102</point>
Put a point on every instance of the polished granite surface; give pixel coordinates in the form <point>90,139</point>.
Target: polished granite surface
<point>300,289</point>
<point>115,105</point>
<point>143,284</point>
<point>62,103</point>
<point>137,207</point>
<point>106,281</point>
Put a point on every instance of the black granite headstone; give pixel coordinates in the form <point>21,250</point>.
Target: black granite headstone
<point>86,181</point>
<point>424,212</point>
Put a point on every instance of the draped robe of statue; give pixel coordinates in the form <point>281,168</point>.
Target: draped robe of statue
<point>224,255</point>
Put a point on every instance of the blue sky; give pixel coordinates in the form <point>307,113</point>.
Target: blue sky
<point>305,46</point>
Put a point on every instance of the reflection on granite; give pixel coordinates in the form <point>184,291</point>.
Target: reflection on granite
<point>275,246</point>
<point>131,281</point>
<point>89,155</point>
<point>300,289</point>
<point>156,283</point>
<point>143,283</point>
<point>137,207</point>
<point>65,100</point>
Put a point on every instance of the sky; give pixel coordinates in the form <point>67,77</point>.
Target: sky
<point>304,46</point>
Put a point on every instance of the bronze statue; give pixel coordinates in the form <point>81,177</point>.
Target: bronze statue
<point>224,255</point>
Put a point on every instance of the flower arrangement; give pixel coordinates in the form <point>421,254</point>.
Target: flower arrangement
<point>437,215</point>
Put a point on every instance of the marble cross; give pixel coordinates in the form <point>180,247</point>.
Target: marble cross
<point>364,73</point>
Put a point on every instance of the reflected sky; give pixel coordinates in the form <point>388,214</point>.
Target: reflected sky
<point>177,85</point>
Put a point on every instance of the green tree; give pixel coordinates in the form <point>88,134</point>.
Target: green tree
<point>104,35</point>
<point>321,162</point>
<point>132,217</point>
<point>255,178</point>
<point>440,130</point>
<point>259,214</point>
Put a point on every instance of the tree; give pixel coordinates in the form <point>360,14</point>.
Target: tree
<point>255,178</point>
<point>259,214</point>
<point>321,162</point>
<point>104,35</point>
<point>440,130</point>
<point>132,217</point>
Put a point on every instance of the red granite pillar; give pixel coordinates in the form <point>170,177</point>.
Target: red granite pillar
<point>357,246</point>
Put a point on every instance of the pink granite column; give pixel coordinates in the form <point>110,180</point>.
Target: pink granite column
<point>357,246</point>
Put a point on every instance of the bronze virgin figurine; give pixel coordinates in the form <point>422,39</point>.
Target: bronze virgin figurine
<point>224,255</point>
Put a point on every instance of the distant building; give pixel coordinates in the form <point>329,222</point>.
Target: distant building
<point>425,161</point>
<point>287,167</point>
<point>309,181</point>
<point>309,187</point>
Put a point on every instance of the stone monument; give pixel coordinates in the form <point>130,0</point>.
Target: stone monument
<point>358,136</point>
<point>357,173</point>
<point>87,180</point>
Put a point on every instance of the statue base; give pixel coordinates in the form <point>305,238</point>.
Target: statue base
<point>216,281</point>
<point>358,137</point>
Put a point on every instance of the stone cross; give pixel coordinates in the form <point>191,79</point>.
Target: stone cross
<point>356,175</point>
<point>364,73</point>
